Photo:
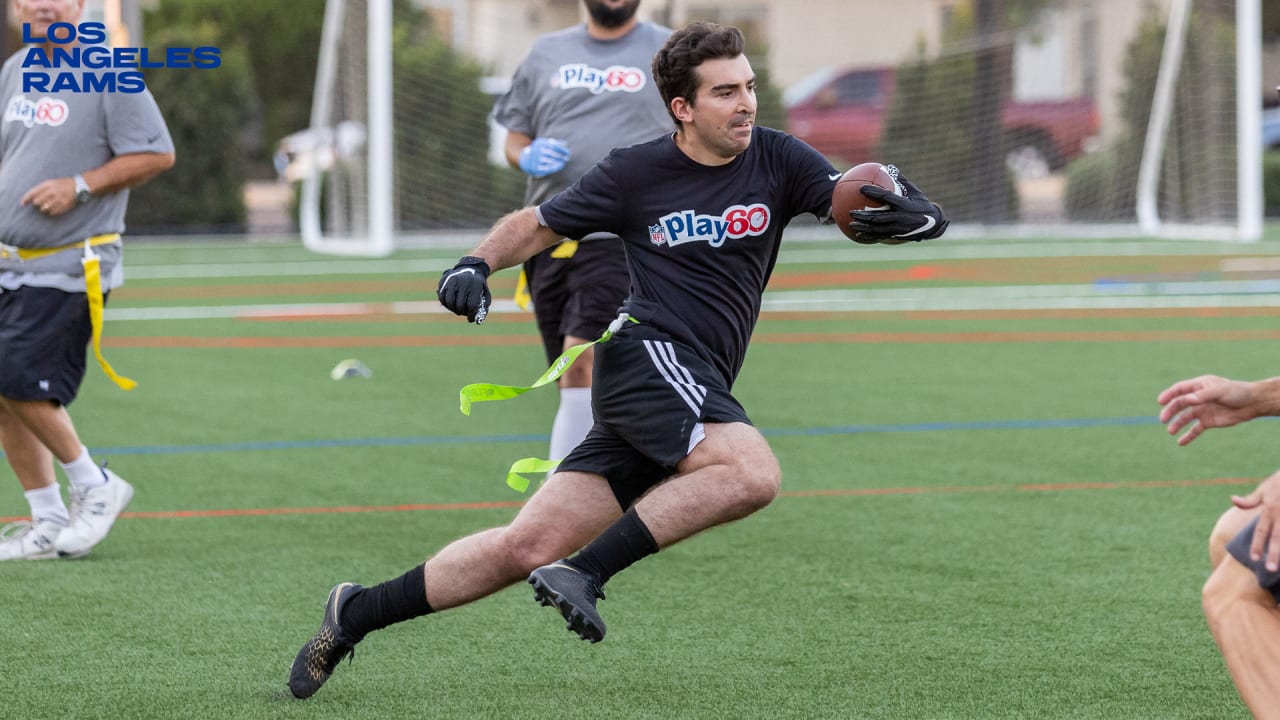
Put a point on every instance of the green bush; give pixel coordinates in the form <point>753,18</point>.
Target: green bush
<point>943,157</point>
<point>1101,186</point>
<point>282,42</point>
<point>205,110</point>
<point>1271,182</point>
<point>939,156</point>
<point>444,145</point>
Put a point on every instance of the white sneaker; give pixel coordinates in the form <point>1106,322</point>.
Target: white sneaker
<point>93,511</point>
<point>26,540</point>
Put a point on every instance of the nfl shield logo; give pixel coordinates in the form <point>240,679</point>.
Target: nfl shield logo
<point>656,235</point>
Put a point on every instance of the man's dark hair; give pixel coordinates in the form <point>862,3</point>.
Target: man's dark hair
<point>675,65</point>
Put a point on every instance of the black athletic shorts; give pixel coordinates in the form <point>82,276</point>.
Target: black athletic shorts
<point>44,334</point>
<point>578,295</point>
<point>1239,549</point>
<point>649,393</point>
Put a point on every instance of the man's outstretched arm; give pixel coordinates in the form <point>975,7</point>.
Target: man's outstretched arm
<point>1209,401</point>
<point>464,288</point>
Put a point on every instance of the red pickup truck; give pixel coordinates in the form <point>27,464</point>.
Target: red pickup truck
<point>841,113</point>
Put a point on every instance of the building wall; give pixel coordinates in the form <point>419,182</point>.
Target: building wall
<point>500,32</point>
<point>1118,22</point>
<point>804,36</point>
<point>843,33</point>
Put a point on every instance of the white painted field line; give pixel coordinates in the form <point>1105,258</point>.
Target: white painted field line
<point>835,252</point>
<point>812,304</point>
<point>315,310</point>
<point>1008,298</point>
<point>942,251</point>
<point>284,269</point>
<point>1250,264</point>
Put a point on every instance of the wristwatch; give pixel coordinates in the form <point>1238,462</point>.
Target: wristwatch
<point>83,193</point>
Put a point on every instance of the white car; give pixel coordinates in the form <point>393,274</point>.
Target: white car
<point>1271,128</point>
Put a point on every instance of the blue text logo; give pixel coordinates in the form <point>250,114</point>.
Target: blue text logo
<point>71,67</point>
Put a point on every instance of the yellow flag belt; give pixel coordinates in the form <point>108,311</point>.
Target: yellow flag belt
<point>485,392</point>
<point>92,288</point>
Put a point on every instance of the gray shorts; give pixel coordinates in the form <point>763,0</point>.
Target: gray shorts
<point>1239,549</point>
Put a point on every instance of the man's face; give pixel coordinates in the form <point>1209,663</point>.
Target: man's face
<point>40,14</point>
<point>612,13</point>
<point>724,108</point>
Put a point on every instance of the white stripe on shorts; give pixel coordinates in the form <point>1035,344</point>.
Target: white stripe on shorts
<point>664,358</point>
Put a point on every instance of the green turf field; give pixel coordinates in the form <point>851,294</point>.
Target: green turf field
<point>981,516</point>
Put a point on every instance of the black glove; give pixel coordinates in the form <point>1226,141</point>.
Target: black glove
<point>464,289</point>
<point>909,216</point>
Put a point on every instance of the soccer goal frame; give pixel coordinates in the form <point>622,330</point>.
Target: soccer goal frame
<point>1248,227</point>
<point>371,232</point>
<point>368,224</point>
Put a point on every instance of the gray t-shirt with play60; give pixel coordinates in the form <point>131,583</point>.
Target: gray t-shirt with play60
<point>596,95</point>
<point>46,135</point>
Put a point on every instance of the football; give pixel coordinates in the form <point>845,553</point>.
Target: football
<point>847,195</point>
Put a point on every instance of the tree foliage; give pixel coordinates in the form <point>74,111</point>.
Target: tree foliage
<point>942,157</point>
<point>281,41</point>
<point>1271,182</point>
<point>1201,135</point>
<point>205,111</point>
<point>443,145</point>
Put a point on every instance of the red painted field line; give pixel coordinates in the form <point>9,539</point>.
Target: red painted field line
<point>422,286</point>
<point>1071,336</point>
<point>388,316</point>
<point>243,342</point>
<point>1044,487</point>
<point>852,492</point>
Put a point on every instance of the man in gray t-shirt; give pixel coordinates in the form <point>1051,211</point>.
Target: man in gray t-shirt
<point>67,160</point>
<point>580,93</point>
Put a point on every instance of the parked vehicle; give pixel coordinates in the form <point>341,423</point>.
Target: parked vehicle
<point>1271,128</point>
<point>841,113</point>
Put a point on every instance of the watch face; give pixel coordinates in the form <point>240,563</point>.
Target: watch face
<point>83,193</point>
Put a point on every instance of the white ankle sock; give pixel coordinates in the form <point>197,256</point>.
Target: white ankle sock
<point>46,504</point>
<point>573,421</point>
<point>83,472</point>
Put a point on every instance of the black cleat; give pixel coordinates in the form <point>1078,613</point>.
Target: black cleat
<point>318,658</point>
<point>572,592</point>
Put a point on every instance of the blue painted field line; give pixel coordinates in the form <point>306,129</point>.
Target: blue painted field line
<point>492,439</point>
<point>973,425</point>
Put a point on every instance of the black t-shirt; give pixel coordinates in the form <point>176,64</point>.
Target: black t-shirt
<point>701,241</point>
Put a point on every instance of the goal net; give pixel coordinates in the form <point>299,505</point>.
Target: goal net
<point>1021,117</point>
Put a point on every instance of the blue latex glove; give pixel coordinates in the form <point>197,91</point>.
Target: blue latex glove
<point>544,156</point>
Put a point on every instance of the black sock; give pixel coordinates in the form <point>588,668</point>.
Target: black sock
<point>393,601</point>
<point>621,544</point>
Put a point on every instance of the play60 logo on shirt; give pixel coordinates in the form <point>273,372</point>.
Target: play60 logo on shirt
<point>45,111</point>
<point>615,78</point>
<point>737,221</point>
